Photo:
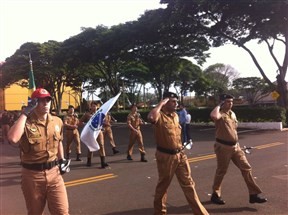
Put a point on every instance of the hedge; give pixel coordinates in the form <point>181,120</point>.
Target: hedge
<point>244,114</point>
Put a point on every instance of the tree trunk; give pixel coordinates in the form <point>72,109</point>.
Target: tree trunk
<point>282,100</point>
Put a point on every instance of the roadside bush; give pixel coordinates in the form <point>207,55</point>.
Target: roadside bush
<point>244,114</point>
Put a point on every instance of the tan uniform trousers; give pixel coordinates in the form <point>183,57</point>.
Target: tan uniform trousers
<point>168,165</point>
<point>41,186</point>
<point>136,137</point>
<point>108,132</point>
<point>226,153</point>
<point>100,140</point>
<point>73,135</point>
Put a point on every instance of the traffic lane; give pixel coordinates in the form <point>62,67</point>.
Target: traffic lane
<point>131,191</point>
<point>138,189</point>
<point>270,167</point>
<point>270,174</point>
<point>204,138</point>
<point>268,159</point>
<point>12,201</point>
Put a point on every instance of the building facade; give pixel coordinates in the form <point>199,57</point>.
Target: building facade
<point>14,97</point>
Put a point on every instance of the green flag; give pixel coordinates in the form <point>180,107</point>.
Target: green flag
<point>32,86</point>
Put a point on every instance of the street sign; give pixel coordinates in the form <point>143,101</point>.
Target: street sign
<point>275,94</point>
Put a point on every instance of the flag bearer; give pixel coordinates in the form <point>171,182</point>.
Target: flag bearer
<point>100,139</point>
<point>107,131</point>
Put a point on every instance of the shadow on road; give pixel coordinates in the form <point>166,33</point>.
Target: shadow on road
<point>144,211</point>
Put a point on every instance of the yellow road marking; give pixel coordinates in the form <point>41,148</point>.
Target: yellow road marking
<point>89,180</point>
<point>205,157</point>
<point>211,156</point>
<point>110,176</point>
<point>269,145</point>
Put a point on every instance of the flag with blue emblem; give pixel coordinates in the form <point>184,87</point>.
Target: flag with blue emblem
<point>92,129</point>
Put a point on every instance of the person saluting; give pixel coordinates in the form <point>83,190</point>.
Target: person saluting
<point>227,148</point>
<point>170,157</point>
<point>39,135</point>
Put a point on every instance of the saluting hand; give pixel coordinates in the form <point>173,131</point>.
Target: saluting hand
<point>164,101</point>
<point>31,105</point>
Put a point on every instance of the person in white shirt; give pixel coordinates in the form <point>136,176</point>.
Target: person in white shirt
<point>188,121</point>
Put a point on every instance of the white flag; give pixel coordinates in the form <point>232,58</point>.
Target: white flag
<point>92,129</point>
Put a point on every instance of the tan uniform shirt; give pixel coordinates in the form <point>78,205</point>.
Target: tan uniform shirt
<point>107,121</point>
<point>71,120</point>
<point>168,131</point>
<point>39,143</point>
<point>226,127</point>
<point>135,120</point>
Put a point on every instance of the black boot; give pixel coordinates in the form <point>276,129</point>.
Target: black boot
<point>78,157</point>
<point>103,163</point>
<point>256,199</point>
<point>143,159</point>
<point>115,151</point>
<point>129,158</point>
<point>217,199</point>
<point>88,162</point>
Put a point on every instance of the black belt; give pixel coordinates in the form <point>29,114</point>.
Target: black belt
<point>228,143</point>
<point>40,166</point>
<point>169,151</point>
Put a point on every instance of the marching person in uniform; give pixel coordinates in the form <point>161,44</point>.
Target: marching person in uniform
<point>134,121</point>
<point>107,131</point>
<point>39,135</point>
<point>71,122</point>
<point>170,156</point>
<point>100,139</point>
<point>227,148</point>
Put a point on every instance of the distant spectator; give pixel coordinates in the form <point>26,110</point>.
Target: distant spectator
<point>188,121</point>
<point>182,120</point>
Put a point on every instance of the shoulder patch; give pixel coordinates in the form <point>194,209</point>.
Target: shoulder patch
<point>57,128</point>
<point>32,128</point>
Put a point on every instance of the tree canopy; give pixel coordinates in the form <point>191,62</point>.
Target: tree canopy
<point>239,22</point>
<point>153,48</point>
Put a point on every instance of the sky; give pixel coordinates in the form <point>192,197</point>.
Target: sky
<point>24,21</point>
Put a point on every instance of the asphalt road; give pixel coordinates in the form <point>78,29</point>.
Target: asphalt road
<point>127,187</point>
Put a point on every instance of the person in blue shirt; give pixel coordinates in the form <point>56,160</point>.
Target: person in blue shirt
<point>182,120</point>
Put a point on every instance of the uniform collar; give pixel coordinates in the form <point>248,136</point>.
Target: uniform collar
<point>34,118</point>
<point>168,114</point>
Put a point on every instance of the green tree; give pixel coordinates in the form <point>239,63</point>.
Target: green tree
<point>16,67</point>
<point>50,71</point>
<point>103,49</point>
<point>156,46</point>
<point>189,78</point>
<point>239,22</point>
<point>253,89</point>
<point>220,77</point>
